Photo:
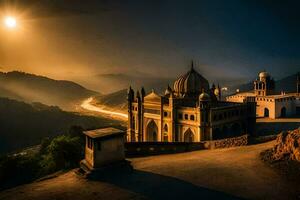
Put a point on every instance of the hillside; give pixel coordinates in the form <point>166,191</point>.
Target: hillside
<point>231,173</point>
<point>22,124</point>
<point>33,88</point>
<point>116,100</point>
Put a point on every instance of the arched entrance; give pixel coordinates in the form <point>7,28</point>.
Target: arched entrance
<point>188,136</point>
<point>152,132</point>
<point>266,112</point>
<point>283,112</point>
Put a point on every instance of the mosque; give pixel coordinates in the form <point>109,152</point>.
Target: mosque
<point>270,104</point>
<point>191,111</point>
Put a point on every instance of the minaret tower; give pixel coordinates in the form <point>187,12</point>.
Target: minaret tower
<point>143,93</point>
<point>138,130</point>
<point>298,83</point>
<point>130,129</point>
<point>264,85</point>
<point>204,105</point>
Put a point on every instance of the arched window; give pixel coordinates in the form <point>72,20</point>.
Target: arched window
<point>165,134</point>
<point>266,112</point>
<point>283,112</point>
<point>192,117</point>
<point>166,128</point>
<point>186,116</point>
<point>165,114</point>
<point>133,122</point>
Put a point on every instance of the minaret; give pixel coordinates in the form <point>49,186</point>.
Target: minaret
<point>138,131</point>
<point>130,125</point>
<point>220,92</point>
<point>143,93</point>
<point>213,87</point>
<point>204,106</point>
<point>298,83</point>
<point>265,85</point>
<point>172,129</point>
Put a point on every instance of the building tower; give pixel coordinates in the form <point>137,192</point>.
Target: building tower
<point>131,120</point>
<point>264,85</point>
<point>138,130</point>
<point>298,82</point>
<point>143,94</point>
<point>204,105</point>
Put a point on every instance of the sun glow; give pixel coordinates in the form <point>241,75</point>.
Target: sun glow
<point>10,22</point>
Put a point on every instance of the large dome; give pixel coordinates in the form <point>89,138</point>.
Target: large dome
<point>191,83</point>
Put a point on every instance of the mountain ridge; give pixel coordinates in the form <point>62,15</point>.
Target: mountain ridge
<point>35,88</point>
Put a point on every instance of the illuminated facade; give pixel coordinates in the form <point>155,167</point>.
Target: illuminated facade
<point>190,112</point>
<point>270,104</point>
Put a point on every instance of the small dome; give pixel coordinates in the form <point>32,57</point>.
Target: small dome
<point>263,74</point>
<point>191,83</point>
<point>168,91</point>
<point>204,97</point>
<point>216,92</point>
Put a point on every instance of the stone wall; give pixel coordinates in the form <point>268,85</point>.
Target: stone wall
<point>228,142</point>
<point>135,149</point>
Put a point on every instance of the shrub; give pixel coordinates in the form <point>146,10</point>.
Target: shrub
<point>62,153</point>
<point>18,169</point>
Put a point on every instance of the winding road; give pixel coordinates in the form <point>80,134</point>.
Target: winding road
<point>87,104</point>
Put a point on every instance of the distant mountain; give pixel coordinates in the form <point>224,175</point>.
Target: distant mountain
<point>23,125</point>
<point>116,100</point>
<point>33,88</point>
<point>287,84</point>
<point>108,83</point>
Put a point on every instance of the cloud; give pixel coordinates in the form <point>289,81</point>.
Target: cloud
<point>54,8</point>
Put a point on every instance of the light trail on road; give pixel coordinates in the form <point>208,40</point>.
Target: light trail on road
<point>86,104</point>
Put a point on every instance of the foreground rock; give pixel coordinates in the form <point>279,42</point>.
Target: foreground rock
<point>285,155</point>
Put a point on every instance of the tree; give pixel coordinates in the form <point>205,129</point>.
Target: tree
<point>62,153</point>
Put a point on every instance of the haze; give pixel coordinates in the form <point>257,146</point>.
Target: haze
<point>229,40</point>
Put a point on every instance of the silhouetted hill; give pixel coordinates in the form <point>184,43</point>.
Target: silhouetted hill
<point>31,88</point>
<point>287,84</point>
<point>117,100</point>
<point>22,124</point>
<point>114,82</point>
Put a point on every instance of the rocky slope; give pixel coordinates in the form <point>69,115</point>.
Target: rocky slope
<point>287,146</point>
<point>285,155</point>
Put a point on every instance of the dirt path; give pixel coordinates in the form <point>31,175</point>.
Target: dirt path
<point>237,171</point>
<point>88,105</point>
<point>207,174</point>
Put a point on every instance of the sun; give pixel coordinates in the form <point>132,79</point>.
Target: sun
<point>10,22</point>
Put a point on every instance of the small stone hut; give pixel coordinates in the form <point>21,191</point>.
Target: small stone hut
<point>103,147</point>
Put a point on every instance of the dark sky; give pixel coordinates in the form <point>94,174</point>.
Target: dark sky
<point>72,39</point>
